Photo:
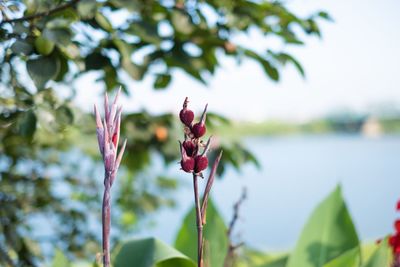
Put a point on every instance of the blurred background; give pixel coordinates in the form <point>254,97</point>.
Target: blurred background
<point>303,95</point>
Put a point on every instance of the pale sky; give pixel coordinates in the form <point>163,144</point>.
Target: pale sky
<point>355,65</point>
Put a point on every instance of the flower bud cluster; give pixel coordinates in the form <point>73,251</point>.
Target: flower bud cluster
<point>193,150</point>
<point>108,131</point>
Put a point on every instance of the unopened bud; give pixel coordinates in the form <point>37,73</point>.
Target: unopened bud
<point>186,115</point>
<point>188,164</point>
<point>201,163</point>
<point>199,129</point>
<point>189,147</point>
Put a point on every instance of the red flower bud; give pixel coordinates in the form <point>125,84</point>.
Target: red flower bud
<point>201,163</point>
<point>189,147</point>
<point>186,115</point>
<point>199,129</point>
<point>188,164</point>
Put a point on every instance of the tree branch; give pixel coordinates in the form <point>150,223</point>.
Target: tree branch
<point>41,14</point>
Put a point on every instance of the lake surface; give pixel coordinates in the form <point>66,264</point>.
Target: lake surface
<point>297,172</point>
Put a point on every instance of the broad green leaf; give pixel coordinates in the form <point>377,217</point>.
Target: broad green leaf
<point>351,258</point>
<point>27,124</point>
<point>150,252</point>
<point>382,257</point>
<point>328,233</point>
<point>279,262</point>
<point>43,69</point>
<point>216,242</point>
<point>146,31</point>
<point>96,61</point>
<point>60,260</point>
<point>60,36</point>
<point>44,46</point>
<point>21,47</point>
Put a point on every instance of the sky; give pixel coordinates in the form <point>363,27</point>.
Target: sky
<point>355,66</point>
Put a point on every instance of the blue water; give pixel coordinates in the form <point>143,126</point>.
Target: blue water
<point>297,172</point>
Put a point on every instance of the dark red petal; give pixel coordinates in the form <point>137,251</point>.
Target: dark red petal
<point>398,206</point>
<point>189,147</point>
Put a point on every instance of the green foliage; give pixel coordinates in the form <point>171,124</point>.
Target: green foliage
<point>334,228</point>
<point>59,260</point>
<point>216,242</point>
<point>150,252</point>
<point>351,258</point>
<point>328,233</point>
<point>381,257</point>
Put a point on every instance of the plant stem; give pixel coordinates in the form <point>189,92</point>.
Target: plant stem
<point>106,221</point>
<point>41,14</point>
<point>199,222</point>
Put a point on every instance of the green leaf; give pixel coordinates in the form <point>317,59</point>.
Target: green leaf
<point>43,69</point>
<point>280,262</point>
<point>27,124</point>
<point>351,258</point>
<point>328,233</point>
<point>325,15</point>
<point>60,36</point>
<point>44,46</point>
<point>96,61</point>
<point>60,260</point>
<point>150,252</point>
<point>269,69</point>
<point>382,257</point>
<point>21,47</point>
<point>216,242</point>
<point>283,58</point>
<point>146,31</point>
<point>103,22</point>
<point>162,81</point>
<point>87,9</point>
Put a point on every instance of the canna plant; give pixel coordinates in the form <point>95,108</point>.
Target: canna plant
<point>108,139</point>
<point>194,160</point>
